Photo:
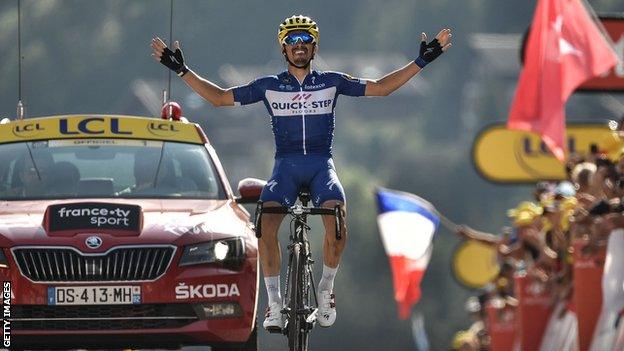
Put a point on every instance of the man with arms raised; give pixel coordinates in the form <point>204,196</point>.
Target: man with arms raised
<point>301,103</point>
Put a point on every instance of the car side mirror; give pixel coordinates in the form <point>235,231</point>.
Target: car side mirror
<point>250,190</point>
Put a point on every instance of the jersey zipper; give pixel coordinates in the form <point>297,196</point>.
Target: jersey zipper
<point>303,119</point>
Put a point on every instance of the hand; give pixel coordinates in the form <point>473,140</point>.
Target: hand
<point>430,51</point>
<point>172,60</point>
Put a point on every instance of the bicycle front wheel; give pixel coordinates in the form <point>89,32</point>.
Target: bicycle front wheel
<point>297,326</point>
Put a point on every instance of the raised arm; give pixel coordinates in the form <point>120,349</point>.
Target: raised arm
<point>428,52</point>
<point>174,60</point>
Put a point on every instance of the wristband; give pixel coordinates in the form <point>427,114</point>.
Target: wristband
<point>182,71</point>
<point>420,62</point>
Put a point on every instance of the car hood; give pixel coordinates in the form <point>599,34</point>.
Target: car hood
<point>164,222</point>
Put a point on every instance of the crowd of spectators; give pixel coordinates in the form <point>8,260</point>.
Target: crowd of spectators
<point>584,208</point>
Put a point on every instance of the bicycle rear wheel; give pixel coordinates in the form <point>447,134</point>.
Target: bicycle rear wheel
<point>297,326</point>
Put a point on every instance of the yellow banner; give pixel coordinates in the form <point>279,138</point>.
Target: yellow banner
<point>511,156</point>
<point>475,264</point>
<point>98,126</point>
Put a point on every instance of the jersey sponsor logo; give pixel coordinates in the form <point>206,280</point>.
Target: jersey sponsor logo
<point>330,184</point>
<point>301,96</point>
<point>271,184</point>
<point>318,86</point>
<point>297,103</point>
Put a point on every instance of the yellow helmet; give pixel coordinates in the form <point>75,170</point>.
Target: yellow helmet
<point>525,213</point>
<point>297,22</point>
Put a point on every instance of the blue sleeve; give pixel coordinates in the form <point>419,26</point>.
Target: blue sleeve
<point>248,94</point>
<point>347,85</point>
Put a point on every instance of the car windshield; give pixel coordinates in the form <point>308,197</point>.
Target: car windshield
<point>107,168</point>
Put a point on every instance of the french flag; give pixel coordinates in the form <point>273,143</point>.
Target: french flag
<point>406,224</point>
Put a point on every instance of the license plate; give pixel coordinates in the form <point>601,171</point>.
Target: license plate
<point>94,295</point>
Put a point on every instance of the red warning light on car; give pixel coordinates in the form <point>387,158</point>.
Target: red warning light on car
<point>171,110</point>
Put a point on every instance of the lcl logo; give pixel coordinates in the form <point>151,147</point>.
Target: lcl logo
<point>27,130</point>
<point>162,129</point>
<point>92,126</point>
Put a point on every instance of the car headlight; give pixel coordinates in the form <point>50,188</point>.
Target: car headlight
<point>230,252</point>
<point>4,263</point>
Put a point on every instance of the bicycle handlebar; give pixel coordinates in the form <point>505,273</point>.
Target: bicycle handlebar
<point>295,210</point>
<point>298,210</point>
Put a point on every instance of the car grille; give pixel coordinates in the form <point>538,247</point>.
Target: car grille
<point>69,265</point>
<point>101,317</point>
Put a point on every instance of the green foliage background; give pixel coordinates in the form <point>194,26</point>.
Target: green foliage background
<point>82,56</point>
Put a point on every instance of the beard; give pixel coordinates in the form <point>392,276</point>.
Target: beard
<point>299,61</point>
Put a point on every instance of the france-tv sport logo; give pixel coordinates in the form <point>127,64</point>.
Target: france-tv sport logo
<point>93,215</point>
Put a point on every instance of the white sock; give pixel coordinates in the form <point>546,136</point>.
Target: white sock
<point>273,289</point>
<point>327,280</point>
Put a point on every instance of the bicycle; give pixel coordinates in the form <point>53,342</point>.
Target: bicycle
<point>301,314</point>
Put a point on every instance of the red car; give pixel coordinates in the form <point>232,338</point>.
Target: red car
<point>122,232</point>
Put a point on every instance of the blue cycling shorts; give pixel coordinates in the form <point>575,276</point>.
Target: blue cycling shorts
<point>291,173</point>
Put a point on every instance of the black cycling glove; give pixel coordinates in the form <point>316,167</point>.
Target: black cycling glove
<point>428,52</point>
<point>174,61</point>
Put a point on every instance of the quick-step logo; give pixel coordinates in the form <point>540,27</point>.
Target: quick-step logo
<point>317,102</point>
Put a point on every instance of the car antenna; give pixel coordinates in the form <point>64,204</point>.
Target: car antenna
<point>20,105</point>
<point>167,92</point>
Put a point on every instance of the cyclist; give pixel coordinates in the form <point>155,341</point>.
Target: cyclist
<point>301,103</point>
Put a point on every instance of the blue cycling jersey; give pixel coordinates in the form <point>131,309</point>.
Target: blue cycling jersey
<point>302,114</point>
